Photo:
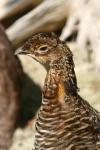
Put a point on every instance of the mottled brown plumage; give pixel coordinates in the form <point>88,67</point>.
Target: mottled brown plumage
<point>65,121</point>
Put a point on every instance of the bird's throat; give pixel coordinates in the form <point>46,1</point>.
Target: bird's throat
<point>54,88</point>
<point>60,81</point>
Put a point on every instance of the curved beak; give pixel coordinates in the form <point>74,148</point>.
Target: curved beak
<point>20,51</point>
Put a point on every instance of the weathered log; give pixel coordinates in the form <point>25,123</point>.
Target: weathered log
<point>11,8</point>
<point>10,90</point>
<point>49,16</point>
<point>85,21</point>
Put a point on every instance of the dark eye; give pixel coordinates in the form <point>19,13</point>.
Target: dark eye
<point>43,48</point>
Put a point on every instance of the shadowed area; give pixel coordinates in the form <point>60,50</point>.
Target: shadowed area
<point>31,101</point>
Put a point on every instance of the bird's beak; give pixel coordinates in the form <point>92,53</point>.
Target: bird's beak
<point>21,51</point>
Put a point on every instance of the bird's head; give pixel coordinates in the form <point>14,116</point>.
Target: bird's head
<point>49,50</point>
<point>43,47</point>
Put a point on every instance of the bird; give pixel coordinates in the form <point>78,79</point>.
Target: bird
<point>65,120</point>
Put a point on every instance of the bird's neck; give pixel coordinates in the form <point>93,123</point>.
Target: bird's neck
<point>60,81</point>
<point>64,68</point>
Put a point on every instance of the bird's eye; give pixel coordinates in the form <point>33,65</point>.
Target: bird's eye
<point>43,48</point>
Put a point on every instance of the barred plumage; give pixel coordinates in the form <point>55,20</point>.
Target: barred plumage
<point>65,121</point>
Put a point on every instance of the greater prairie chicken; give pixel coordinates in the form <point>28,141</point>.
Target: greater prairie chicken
<point>65,121</point>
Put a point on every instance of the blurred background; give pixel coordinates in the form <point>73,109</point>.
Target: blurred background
<point>21,78</point>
